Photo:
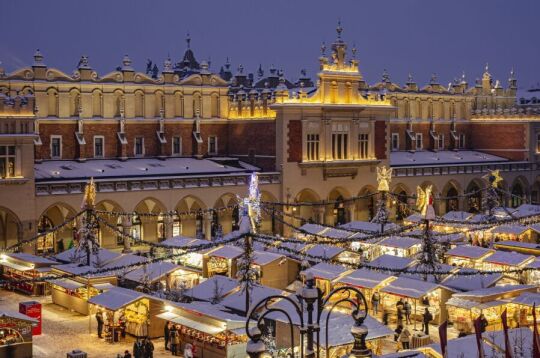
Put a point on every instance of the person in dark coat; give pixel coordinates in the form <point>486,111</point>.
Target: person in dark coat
<point>483,323</point>
<point>99,319</point>
<point>426,318</point>
<point>138,349</point>
<point>148,348</point>
<point>174,339</point>
<point>385,317</point>
<point>166,334</point>
<point>127,354</point>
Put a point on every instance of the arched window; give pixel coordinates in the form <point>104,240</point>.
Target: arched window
<point>52,102</point>
<point>159,103</point>
<point>517,195</point>
<point>452,202</point>
<point>139,104</point>
<point>178,105</point>
<point>117,104</point>
<point>197,105</point>
<point>97,109</point>
<point>74,103</point>
<point>215,106</point>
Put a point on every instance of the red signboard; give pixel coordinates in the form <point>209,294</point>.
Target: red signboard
<point>32,309</point>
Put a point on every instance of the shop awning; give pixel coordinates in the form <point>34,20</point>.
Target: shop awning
<point>67,284</point>
<point>16,266</point>
<point>167,316</point>
<point>202,327</point>
<point>103,286</point>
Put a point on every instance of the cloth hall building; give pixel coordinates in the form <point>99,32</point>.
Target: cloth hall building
<point>187,139</point>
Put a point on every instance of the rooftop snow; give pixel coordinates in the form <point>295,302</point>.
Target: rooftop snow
<point>325,251</point>
<point>31,258</point>
<point>496,291</point>
<point>457,216</point>
<point>74,255</point>
<point>468,251</point>
<point>408,287</point>
<point>237,300</point>
<point>368,226</point>
<point>153,271</point>
<point>391,262</point>
<point>528,299</point>
<point>508,258</point>
<point>262,258</point>
<point>116,298</point>
<point>227,252</point>
<point>17,315</point>
<point>399,159</point>
<point>472,282</point>
<point>143,167</point>
<point>205,291</point>
<point>461,347</point>
<point>514,229</point>
<point>402,242</point>
<point>325,271</point>
<point>364,278</point>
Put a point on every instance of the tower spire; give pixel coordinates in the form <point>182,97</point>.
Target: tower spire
<point>339,29</point>
<point>188,40</point>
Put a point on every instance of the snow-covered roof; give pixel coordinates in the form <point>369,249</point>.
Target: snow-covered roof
<point>364,278</point>
<point>81,270</point>
<point>535,263</point>
<point>509,258</point>
<point>443,157</point>
<point>216,311</point>
<point>124,260</point>
<point>153,271</point>
<point>116,298</point>
<point>414,218</point>
<point>407,287</point>
<point>391,262</point>
<point>469,251</point>
<point>368,226</point>
<point>461,347</point>
<point>526,210</point>
<point>521,340</point>
<point>514,229</point>
<point>416,271</point>
<point>457,216</point>
<point>205,291</point>
<point>401,242</point>
<point>177,241</point>
<point>39,260</point>
<point>495,292</point>
<point>74,255</point>
<point>262,258</point>
<point>472,282</point>
<point>325,271</point>
<point>528,299</point>
<point>325,231</point>
<point>325,251</point>
<point>237,300</point>
<point>17,315</point>
<point>132,168</point>
<point>227,252</point>
<point>67,284</point>
<point>517,244</point>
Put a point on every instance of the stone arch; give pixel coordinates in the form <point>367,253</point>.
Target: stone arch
<point>338,212</point>
<point>52,102</point>
<point>519,191</point>
<point>474,201</point>
<point>214,105</point>
<point>226,214</point>
<point>139,104</point>
<point>148,227</point>
<point>107,237</point>
<point>191,224</point>
<point>307,212</point>
<point>450,193</point>
<point>365,208</point>
<point>97,103</point>
<point>400,203</point>
<point>197,104</point>
<point>159,103</point>
<point>10,228</point>
<point>74,102</point>
<point>54,215</point>
<point>268,222</point>
<point>178,104</point>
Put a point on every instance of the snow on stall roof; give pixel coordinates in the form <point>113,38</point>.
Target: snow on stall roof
<point>325,251</point>
<point>153,271</point>
<point>535,263</point>
<point>496,291</point>
<point>205,291</point>
<point>404,354</point>
<point>79,270</point>
<point>139,167</point>
<point>408,287</point>
<point>116,298</point>
<point>514,229</point>
<point>518,244</point>
<point>67,283</point>
<point>461,347</point>
<point>364,278</point>
<point>414,218</point>
<point>177,241</point>
<point>325,271</point>
<point>17,315</point>
<point>237,300</point>
<point>520,338</point>
<point>217,311</point>
<point>418,268</point>
<point>472,282</point>
<point>392,262</point>
<point>457,216</point>
<point>227,252</point>
<point>125,260</point>
<point>401,242</point>
<point>368,226</point>
<point>509,258</point>
<point>443,157</point>
<point>526,210</point>
<point>31,258</point>
<point>528,299</point>
<point>74,255</point>
<point>469,251</point>
<point>317,229</point>
<point>262,258</point>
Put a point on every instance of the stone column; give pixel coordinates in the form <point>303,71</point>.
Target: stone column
<point>126,228</point>
<point>168,224</point>
<point>351,211</point>
<point>207,225</point>
<point>319,214</point>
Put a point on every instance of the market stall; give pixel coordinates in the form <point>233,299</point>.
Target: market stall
<point>468,256</point>
<point>521,309</point>
<point>275,270</point>
<point>367,281</point>
<point>213,289</point>
<point>129,310</point>
<point>177,246</point>
<point>504,261</point>
<point>420,294</point>
<point>526,248</point>
<point>532,277</point>
<point>391,263</point>
<point>214,332</point>
<point>463,283</point>
<point>16,334</point>
<point>401,246</point>
<point>514,232</point>
<point>22,266</point>
<point>161,275</point>
<point>324,275</point>
<point>221,261</point>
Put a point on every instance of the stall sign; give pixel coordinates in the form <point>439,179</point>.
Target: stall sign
<point>32,309</point>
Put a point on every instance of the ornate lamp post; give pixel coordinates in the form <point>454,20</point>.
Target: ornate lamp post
<point>310,297</point>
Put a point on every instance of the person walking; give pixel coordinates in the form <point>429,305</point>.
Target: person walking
<point>405,338</point>
<point>483,323</point>
<point>127,354</point>
<point>385,316</point>
<point>99,319</point>
<point>148,348</point>
<point>426,318</point>
<point>408,309</point>
<point>138,349</point>
<point>399,320</point>
<point>166,334</point>
<point>175,340</point>
<point>375,298</point>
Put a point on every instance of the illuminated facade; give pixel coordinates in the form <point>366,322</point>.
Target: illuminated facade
<point>187,139</point>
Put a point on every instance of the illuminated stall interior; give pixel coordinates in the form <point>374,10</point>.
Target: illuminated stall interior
<point>399,246</point>
<point>367,281</point>
<point>514,232</point>
<point>21,266</point>
<point>162,275</point>
<point>524,304</point>
<point>468,256</point>
<point>504,261</point>
<point>333,253</point>
<point>16,334</point>
<point>324,275</point>
<point>221,261</point>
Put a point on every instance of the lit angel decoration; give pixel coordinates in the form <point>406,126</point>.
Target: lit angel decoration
<point>384,177</point>
<point>424,202</point>
<point>89,199</point>
<point>494,178</point>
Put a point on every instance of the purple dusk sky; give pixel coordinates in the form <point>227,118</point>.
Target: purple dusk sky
<point>421,37</point>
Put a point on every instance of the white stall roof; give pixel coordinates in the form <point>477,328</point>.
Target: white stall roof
<point>17,315</point>
<point>400,242</point>
<point>526,210</point>
<point>528,299</point>
<point>472,282</point>
<point>461,347</point>
<point>116,298</point>
<point>125,259</point>
<point>325,251</point>
<point>495,291</point>
<point>469,252</point>
<point>325,271</point>
<point>75,255</point>
<point>522,338</point>
<point>391,262</point>
<point>508,258</point>
<point>457,216</point>
<point>364,278</point>
<point>15,266</point>
<point>407,287</point>
<point>205,291</point>
<point>237,300</point>
<point>199,326</point>
<point>262,258</point>
<point>67,284</point>
<point>514,229</point>
<point>153,271</point>
<point>227,252</point>
<point>31,258</point>
<point>368,226</point>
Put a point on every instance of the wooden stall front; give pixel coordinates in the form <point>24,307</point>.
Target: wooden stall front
<point>16,334</point>
<point>22,266</point>
<point>324,275</point>
<point>275,270</point>
<point>367,281</point>
<point>398,246</point>
<point>222,261</point>
<point>467,256</point>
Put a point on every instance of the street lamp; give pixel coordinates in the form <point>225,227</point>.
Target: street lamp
<point>310,297</point>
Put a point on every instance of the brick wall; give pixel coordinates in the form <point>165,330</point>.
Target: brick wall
<point>294,141</point>
<point>500,138</point>
<point>253,139</point>
<point>380,139</point>
<point>69,143</point>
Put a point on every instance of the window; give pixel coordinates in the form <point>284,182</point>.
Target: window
<point>56,147</point>
<point>139,146</point>
<point>440,142</point>
<point>99,147</point>
<point>461,142</point>
<point>7,161</point>
<point>395,142</point>
<point>363,146</point>
<point>419,141</point>
<point>537,142</point>
<point>313,147</point>
<point>340,141</point>
<point>212,145</point>
<point>176,146</point>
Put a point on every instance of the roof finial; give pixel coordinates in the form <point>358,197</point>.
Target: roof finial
<point>323,49</point>
<point>385,76</point>
<point>410,78</point>
<point>353,51</point>
<point>339,29</point>
<point>188,40</point>
<point>487,67</point>
<point>433,79</point>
